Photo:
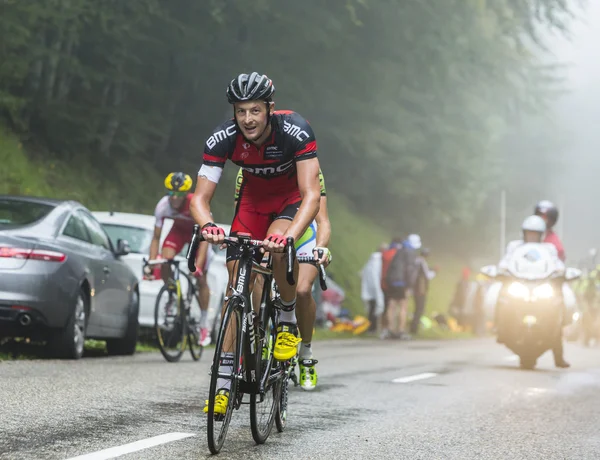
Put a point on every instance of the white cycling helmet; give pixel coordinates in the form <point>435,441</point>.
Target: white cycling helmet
<point>414,240</point>
<point>534,224</point>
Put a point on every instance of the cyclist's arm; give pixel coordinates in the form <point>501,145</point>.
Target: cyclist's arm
<point>323,224</point>
<point>201,257</point>
<point>200,203</point>
<point>154,245</point>
<point>310,190</point>
<point>213,161</point>
<point>159,217</point>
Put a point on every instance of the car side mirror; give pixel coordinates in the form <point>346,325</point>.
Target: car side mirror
<point>122,248</point>
<point>572,273</point>
<point>490,270</point>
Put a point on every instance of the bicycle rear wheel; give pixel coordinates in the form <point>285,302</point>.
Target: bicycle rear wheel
<point>264,406</point>
<point>230,336</point>
<point>193,324</point>
<point>170,324</point>
<point>282,403</point>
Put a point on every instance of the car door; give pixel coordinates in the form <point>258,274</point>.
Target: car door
<point>75,237</point>
<point>117,282</point>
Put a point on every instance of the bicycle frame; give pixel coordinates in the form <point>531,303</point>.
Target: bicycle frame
<point>250,333</point>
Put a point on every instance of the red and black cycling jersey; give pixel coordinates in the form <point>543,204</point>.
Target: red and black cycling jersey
<point>270,168</point>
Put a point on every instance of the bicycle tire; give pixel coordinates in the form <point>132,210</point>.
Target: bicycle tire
<point>232,309</point>
<point>180,324</point>
<point>282,403</point>
<point>259,434</point>
<point>193,326</point>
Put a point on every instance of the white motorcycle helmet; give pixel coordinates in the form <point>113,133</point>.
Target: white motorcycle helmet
<point>534,224</point>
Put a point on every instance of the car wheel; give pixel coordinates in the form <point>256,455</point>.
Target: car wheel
<point>69,342</point>
<point>127,344</point>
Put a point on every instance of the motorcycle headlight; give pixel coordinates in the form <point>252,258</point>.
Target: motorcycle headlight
<point>543,291</point>
<point>518,290</point>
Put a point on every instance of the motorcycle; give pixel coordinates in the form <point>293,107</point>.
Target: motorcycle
<point>530,310</point>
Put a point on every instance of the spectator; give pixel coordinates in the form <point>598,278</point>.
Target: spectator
<point>424,275</point>
<point>398,278</point>
<point>371,292</point>
<point>459,301</point>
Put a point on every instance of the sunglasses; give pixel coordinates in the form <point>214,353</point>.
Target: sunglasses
<point>172,193</point>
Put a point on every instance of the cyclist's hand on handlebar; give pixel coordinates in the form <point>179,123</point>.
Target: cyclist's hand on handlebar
<point>274,243</point>
<point>326,256</point>
<point>147,273</point>
<point>213,233</point>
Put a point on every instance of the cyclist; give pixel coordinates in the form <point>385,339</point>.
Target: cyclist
<point>279,199</point>
<point>175,205</point>
<point>316,237</point>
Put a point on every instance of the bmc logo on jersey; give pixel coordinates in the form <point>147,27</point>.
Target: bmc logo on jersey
<point>295,131</point>
<point>269,170</point>
<point>220,135</point>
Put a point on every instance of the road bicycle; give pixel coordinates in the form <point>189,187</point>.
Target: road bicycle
<point>177,315</point>
<point>250,338</point>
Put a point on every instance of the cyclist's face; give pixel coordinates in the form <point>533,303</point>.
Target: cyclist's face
<point>251,117</point>
<point>532,237</point>
<point>176,201</point>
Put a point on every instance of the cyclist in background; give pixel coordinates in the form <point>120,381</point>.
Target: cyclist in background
<point>175,205</point>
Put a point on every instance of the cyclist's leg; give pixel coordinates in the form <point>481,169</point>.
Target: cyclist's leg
<point>203,262</point>
<point>306,309</point>
<point>245,220</point>
<point>171,246</point>
<point>257,284</point>
<point>287,330</point>
<point>203,300</point>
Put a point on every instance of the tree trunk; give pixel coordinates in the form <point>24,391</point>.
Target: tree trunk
<point>63,85</point>
<point>50,68</point>
<point>114,121</point>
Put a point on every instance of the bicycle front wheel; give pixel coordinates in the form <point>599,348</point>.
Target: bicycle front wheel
<point>229,340</point>
<point>170,324</point>
<point>263,406</point>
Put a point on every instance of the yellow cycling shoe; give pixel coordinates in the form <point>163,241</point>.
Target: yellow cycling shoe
<point>286,344</point>
<point>221,401</point>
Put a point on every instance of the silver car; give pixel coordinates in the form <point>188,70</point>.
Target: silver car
<point>62,279</point>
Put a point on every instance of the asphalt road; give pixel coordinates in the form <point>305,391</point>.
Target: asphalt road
<point>416,400</point>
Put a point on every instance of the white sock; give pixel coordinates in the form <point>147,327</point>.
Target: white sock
<point>203,319</point>
<point>305,351</point>
<point>288,313</point>
<point>225,367</point>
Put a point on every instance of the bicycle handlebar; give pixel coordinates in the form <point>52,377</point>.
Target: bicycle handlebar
<point>151,262</point>
<point>197,238</point>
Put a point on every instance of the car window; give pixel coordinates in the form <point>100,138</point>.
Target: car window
<point>139,239</point>
<point>14,213</point>
<point>75,228</point>
<point>97,234</point>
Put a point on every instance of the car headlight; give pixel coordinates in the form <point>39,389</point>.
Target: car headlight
<point>518,290</point>
<point>543,291</point>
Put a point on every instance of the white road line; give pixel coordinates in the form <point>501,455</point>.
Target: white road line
<point>412,378</point>
<point>133,447</point>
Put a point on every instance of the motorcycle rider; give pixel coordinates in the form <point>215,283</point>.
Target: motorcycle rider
<point>534,228</point>
<point>547,211</point>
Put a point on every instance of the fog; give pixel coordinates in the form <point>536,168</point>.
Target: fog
<point>578,111</point>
